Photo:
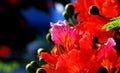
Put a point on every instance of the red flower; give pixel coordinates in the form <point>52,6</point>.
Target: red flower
<point>73,51</point>
<point>71,37</point>
<point>4,51</point>
<point>63,34</point>
<point>108,55</point>
<point>94,23</point>
<point>82,60</point>
<point>107,8</point>
<point>84,37</point>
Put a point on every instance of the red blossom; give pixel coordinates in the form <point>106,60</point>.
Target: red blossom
<point>73,51</point>
<point>107,8</point>
<point>48,58</point>
<point>86,39</point>
<point>63,34</point>
<point>106,48</point>
<point>93,23</point>
<point>108,55</point>
<point>82,60</point>
<point>4,51</point>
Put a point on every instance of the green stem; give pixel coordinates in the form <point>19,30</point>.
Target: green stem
<point>72,20</point>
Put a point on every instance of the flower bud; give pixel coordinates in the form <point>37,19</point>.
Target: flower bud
<point>40,70</point>
<point>30,69</point>
<point>65,15</point>
<point>41,50</point>
<point>34,64</point>
<point>102,70</point>
<point>69,9</point>
<point>48,38</point>
<point>42,61</point>
<point>93,10</point>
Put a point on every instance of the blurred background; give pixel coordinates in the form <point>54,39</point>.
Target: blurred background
<point>23,27</point>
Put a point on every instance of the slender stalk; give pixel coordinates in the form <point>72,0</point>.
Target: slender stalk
<point>72,20</point>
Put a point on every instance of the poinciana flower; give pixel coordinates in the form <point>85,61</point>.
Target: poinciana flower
<point>107,8</point>
<point>83,60</point>
<point>84,47</point>
<point>94,22</point>
<point>70,36</point>
<point>82,36</point>
<point>63,34</point>
<point>94,26</point>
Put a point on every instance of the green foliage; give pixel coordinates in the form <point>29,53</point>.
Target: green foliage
<point>114,22</point>
<point>116,18</point>
<point>8,67</point>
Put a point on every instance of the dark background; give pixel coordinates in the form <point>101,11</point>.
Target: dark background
<point>23,27</point>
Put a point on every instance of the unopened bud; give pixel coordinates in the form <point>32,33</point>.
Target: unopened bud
<point>93,10</point>
<point>40,70</point>
<point>48,38</point>
<point>69,9</point>
<point>41,50</point>
<point>30,69</point>
<point>102,70</point>
<point>65,15</point>
<point>34,64</point>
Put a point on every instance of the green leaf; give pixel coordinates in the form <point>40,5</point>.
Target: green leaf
<point>116,18</point>
<point>114,22</point>
<point>1,66</point>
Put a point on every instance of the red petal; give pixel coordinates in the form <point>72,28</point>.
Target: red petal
<point>48,58</point>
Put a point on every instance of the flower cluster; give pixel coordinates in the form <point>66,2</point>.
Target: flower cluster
<point>86,46</point>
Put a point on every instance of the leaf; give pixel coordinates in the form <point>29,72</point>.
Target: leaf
<point>116,18</point>
<point>114,22</point>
